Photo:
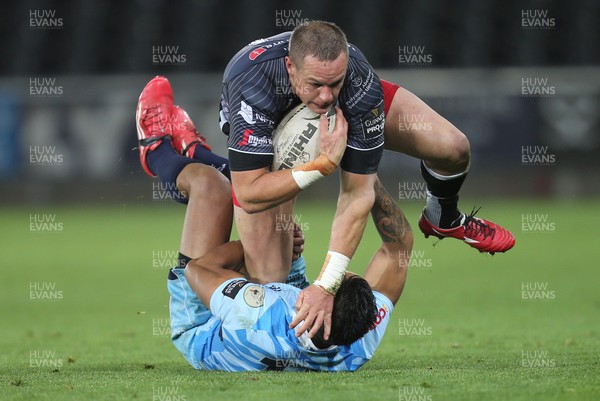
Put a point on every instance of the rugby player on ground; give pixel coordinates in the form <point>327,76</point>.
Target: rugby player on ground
<point>315,65</point>
<point>220,320</point>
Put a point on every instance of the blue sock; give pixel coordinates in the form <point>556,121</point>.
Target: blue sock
<point>209,158</point>
<point>167,164</point>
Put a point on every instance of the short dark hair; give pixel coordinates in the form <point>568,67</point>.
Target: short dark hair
<point>354,311</point>
<point>321,39</point>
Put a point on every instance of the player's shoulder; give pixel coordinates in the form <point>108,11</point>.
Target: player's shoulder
<point>362,91</point>
<point>257,52</point>
<point>355,54</point>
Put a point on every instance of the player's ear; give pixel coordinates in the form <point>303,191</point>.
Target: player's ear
<point>289,65</point>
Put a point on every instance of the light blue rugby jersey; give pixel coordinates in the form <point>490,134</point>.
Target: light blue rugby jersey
<point>249,330</point>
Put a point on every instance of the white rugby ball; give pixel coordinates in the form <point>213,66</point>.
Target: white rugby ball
<point>296,138</point>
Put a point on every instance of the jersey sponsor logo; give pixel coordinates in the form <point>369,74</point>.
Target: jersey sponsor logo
<point>254,296</point>
<point>381,314</point>
<point>232,289</point>
<point>296,152</point>
<point>247,113</point>
<point>355,80</point>
<point>247,133</point>
<point>253,140</point>
<point>251,116</point>
<point>374,122</point>
<point>260,50</point>
<point>363,89</point>
<point>256,52</point>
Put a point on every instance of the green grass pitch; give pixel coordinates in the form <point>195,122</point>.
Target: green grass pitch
<point>518,326</point>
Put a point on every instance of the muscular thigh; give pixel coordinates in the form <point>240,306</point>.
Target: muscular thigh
<point>267,239</point>
<point>414,128</point>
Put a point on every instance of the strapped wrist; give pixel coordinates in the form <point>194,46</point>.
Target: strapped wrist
<point>312,171</point>
<point>333,272</point>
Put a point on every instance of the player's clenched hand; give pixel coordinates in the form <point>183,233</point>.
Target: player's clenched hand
<point>332,144</point>
<point>298,242</point>
<point>314,305</point>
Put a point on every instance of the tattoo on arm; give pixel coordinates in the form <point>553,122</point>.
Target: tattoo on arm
<point>389,220</point>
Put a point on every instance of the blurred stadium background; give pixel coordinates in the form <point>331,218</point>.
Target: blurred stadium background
<point>72,71</point>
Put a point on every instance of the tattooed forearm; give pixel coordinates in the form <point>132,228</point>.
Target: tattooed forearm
<point>389,219</point>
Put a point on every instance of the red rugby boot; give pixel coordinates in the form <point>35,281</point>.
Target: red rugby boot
<point>481,234</point>
<point>153,117</point>
<point>185,135</point>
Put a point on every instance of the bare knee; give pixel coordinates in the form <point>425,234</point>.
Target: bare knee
<point>201,180</point>
<point>456,153</point>
<point>460,154</point>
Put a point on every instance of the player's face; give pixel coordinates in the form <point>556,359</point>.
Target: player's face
<point>316,82</point>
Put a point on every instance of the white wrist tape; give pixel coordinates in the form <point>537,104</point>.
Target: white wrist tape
<point>312,171</point>
<point>333,272</point>
<point>305,178</point>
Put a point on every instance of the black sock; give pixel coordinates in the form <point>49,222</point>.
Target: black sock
<point>209,158</point>
<point>182,260</point>
<point>442,197</point>
<point>167,164</point>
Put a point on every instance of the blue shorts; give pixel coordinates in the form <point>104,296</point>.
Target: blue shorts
<point>192,324</point>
